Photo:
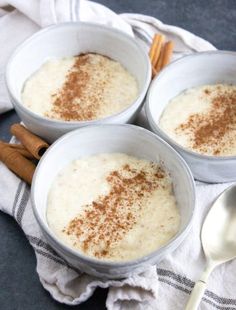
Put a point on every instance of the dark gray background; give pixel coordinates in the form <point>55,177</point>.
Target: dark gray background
<point>20,289</point>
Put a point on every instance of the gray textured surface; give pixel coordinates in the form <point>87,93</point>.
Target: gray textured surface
<point>20,289</point>
<point>214,20</point>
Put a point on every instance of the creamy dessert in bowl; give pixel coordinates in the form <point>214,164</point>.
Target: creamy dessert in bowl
<point>71,75</point>
<point>191,105</point>
<point>113,200</point>
<point>80,88</point>
<point>206,121</point>
<point>113,206</point>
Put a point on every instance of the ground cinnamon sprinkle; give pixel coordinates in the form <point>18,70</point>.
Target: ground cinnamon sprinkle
<point>105,221</point>
<point>214,128</point>
<point>66,103</point>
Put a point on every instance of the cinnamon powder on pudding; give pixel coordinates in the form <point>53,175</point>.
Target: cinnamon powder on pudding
<point>113,206</point>
<point>216,128</point>
<point>80,88</point>
<point>106,220</point>
<point>65,104</point>
<point>95,87</point>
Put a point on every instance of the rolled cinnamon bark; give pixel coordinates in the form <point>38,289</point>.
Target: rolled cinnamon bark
<point>34,144</point>
<point>20,148</point>
<point>21,166</point>
<point>159,45</point>
<point>168,51</point>
<point>14,145</point>
<point>153,47</point>
<point>160,60</point>
<point>25,153</point>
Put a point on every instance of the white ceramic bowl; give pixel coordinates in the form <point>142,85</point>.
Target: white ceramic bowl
<point>71,39</point>
<point>127,139</point>
<point>191,71</point>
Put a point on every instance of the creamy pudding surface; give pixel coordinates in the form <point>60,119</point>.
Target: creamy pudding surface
<point>85,87</point>
<point>113,207</point>
<point>203,119</point>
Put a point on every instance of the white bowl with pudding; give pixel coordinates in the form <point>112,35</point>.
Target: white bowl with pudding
<point>113,200</point>
<point>192,106</point>
<point>75,74</point>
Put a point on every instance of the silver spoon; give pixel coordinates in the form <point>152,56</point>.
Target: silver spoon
<point>218,240</point>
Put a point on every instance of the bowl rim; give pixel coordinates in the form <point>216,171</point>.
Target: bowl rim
<point>155,126</point>
<point>181,234</point>
<point>49,121</point>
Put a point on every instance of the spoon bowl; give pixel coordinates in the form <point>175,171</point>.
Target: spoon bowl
<point>219,229</point>
<point>218,237</point>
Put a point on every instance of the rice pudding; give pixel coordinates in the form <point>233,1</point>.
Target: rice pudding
<point>113,207</point>
<point>85,87</point>
<point>203,119</point>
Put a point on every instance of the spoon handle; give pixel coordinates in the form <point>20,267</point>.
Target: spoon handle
<point>196,295</point>
<point>199,288</point>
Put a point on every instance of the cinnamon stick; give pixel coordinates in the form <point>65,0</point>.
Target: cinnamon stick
<point>153,47</point>
<point>158,50</point>
<point>160,61</point>
<point>34,144</point>
<point>14,145</point>
<point>155,52</point>
<point>20,148</point>
<point>17,163</point>
<point>25,153</point>
<point>168,50</point>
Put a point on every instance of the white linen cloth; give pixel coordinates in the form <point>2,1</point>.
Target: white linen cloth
<point>162,287</point>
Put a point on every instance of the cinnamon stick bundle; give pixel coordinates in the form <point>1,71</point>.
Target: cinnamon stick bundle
<point>17,163</point>
<point>17,157</point>
<point>155,51</point>
<point>34,144</point>
<point>160,53</point>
